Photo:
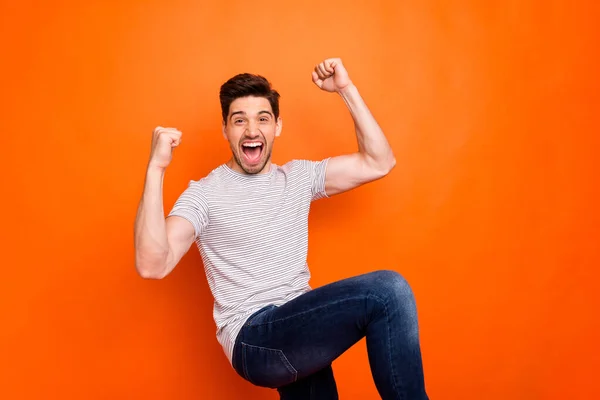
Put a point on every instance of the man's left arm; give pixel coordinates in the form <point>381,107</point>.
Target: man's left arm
<point>374,158</point>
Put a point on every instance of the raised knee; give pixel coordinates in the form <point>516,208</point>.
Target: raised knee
<point>390,283</point>
<point>396,300</point>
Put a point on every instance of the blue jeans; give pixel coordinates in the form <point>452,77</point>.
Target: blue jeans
<point>291,347</point>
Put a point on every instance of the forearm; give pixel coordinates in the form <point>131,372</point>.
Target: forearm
<point>151,245</point>
<point>372,143</point>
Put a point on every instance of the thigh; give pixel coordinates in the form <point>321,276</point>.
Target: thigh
<point>288,343</point>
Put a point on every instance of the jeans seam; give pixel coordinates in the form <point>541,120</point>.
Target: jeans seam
<point>257,313</point>
<point>244,362</point>
<point>389,340</point>
<point>313,309</point>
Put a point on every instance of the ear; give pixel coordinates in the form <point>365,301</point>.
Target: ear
<point>278,127</point>
<point>223,127</point>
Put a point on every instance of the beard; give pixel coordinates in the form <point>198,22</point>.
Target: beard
<point>252,169</point>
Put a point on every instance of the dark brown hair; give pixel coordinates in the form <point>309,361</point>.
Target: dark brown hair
<point>243,85</point>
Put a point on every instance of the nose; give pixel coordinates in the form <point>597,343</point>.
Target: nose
<point>253,129</point>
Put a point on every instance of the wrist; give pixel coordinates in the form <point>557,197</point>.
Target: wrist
<point>347,90</point>
<point>154,170</point>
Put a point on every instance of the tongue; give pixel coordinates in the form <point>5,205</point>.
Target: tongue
<point>252,153</point>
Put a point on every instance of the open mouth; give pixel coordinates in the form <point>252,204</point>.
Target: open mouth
<point>252,151</point>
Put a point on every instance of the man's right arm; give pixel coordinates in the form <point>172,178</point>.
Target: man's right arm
<point>159,243</point>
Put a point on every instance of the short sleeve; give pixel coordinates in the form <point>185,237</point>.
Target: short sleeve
<point>193,206</point>
<point>317,172</point>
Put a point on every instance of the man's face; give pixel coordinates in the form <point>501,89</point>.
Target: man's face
<point>251,129</point>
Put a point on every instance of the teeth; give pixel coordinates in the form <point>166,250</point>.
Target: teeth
<point>252,144</point>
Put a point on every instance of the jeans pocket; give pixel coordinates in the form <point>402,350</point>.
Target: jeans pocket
<point>267,367</point>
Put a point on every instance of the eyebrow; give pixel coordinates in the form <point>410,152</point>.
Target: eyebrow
<point>244,113</point>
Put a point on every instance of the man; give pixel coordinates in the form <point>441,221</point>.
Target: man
<point>249,219</point>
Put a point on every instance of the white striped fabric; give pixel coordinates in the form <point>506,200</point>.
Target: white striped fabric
<point>252,234</point>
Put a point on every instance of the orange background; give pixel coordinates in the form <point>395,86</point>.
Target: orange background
<point>491,213</point>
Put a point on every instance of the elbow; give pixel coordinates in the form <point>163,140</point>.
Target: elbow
<point>150,270</point>
<point>379,168</point>
<point>391,164</point>
<point>147,273</point>
<point>385,167</point>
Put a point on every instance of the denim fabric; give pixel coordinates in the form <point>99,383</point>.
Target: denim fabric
<point>291,347</point>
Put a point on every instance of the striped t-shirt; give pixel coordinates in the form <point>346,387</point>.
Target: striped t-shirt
<point>252,234</point>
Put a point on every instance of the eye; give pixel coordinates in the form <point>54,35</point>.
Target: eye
<point>264,119</point>
<point>239,121</point>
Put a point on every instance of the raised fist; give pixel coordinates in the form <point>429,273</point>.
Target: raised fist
<point>330,75</point>
<point>164,140</point>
